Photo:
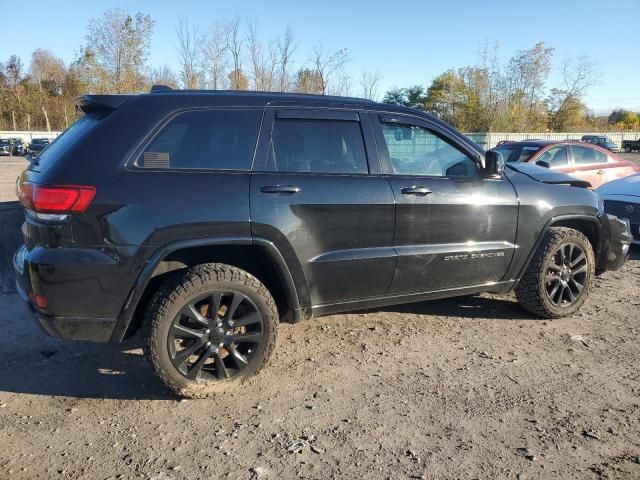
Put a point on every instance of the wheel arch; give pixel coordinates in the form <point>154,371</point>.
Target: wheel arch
<point>258,256</point>
<point>588,225</point>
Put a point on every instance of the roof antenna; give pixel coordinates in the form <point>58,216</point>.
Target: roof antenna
<point>159,88</point>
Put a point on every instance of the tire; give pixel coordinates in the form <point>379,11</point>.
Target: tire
<point>180,329</point>
<point>550,285</point>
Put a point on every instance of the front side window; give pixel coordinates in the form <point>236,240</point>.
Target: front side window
<point>415,150</point>
<point>317,146</point>
<point>555,157</point>
<point>587,156</point>
<point>207,139</point>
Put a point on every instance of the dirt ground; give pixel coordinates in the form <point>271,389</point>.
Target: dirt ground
<point>470,387</point>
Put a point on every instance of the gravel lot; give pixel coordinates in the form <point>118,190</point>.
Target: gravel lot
<point>471,387</point>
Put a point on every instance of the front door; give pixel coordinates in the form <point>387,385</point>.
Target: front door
<point>317,193</point>
<point>454,228</point>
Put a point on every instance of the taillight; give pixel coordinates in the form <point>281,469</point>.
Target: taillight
<point>55,198</point>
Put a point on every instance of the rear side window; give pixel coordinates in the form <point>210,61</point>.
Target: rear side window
<point>59,147</point>
<point>516,153</point>
<point>317,146</point>
<point>205,139</point>
<point>587,156</point>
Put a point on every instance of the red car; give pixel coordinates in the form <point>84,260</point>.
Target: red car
<point>582,160</point>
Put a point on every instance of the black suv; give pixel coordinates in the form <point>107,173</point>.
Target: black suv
<point>216,214</point>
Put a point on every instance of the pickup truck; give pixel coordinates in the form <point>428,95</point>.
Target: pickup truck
<point>631,145</point>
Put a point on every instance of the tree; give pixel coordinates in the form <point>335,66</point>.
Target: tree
<point>412,97</point>
<point>286,46</point>
<point>238,81</point>
<point>262,63</point>
<point>369,82</point>
<point>214,56</point>
<point>117,50</point>
<point>234,47</point>
<point>189,53</point>
<point>325,64</point>
<point>564,102</point>
<point>617,116</point>
<point>47,70</point>
<point>163,76</point>
<point>308,81</point>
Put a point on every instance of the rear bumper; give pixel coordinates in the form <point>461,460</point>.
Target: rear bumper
<point>616,238</point>
<point>68,327</point>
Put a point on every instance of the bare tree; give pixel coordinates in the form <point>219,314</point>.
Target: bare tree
<point>369,82</point>
<point>326,64</point>
<point>234,43</point>
<point>214,56</point>
<point>164,76</point>
<point>189,54</point>
<point>263,65</point>
<point>578,75</point>
<point>307,81</point>
<point>286,46</point>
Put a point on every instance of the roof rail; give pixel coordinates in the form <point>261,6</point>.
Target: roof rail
<point>159,88</point>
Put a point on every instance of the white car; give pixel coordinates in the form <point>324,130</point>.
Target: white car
<point>622,198</point>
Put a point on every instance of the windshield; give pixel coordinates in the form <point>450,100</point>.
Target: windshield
<point>516,153</point>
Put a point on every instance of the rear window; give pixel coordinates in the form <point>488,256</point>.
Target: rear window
<point>58,147</point>
<point>205,139</point>
<point>516,153</point>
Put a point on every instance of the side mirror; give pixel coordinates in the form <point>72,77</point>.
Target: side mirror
<point>543,163</point>
<point>493,163</point>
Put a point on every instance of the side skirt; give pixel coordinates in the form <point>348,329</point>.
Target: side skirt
<point>367,303</point>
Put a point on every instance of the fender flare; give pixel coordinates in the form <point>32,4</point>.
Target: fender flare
<point>292,291</point>
<point>554,221</point>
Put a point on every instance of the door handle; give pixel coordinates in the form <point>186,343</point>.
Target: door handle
<point>600,172</point>
<point>284,189</point>
<point>415,190</point>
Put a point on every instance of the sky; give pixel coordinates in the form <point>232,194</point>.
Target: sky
<point>407,42</point>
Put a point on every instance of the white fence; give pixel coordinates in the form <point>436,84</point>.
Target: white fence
<point>491,139</point>
<point>485,140</point>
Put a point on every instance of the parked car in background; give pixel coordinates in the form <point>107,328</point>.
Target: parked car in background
<point>585,161</point>
<point>17,146</point>
<point>601,141</point>
<point>631,145</point>
<point>5,147</point>
<point>622,199</point>
<point>37,145</point>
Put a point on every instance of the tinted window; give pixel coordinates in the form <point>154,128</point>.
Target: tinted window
<point>516,153</point>
<point>58,147</point>
<point>415,150</point>
<point>555,157</point>
<point>587,156</point>
<point>211,139</point>
<point>318,146</point>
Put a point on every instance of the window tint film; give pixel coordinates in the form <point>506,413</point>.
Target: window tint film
<point>209,139</point>
<point>415,150</point>
<point>556,157</point>
<point>65,140</point>
<point>587,156</point>
<point>317,146</point>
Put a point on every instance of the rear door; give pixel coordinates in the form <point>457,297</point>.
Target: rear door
<point>592,165</point>
<point>454,228</point>
<point>317,192</point>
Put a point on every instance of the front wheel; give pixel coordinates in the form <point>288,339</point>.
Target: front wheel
<point>558,278</point>
<point>209,329</point>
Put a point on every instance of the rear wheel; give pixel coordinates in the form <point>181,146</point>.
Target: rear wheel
<point>559,275</point>
<point>209,329</point>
